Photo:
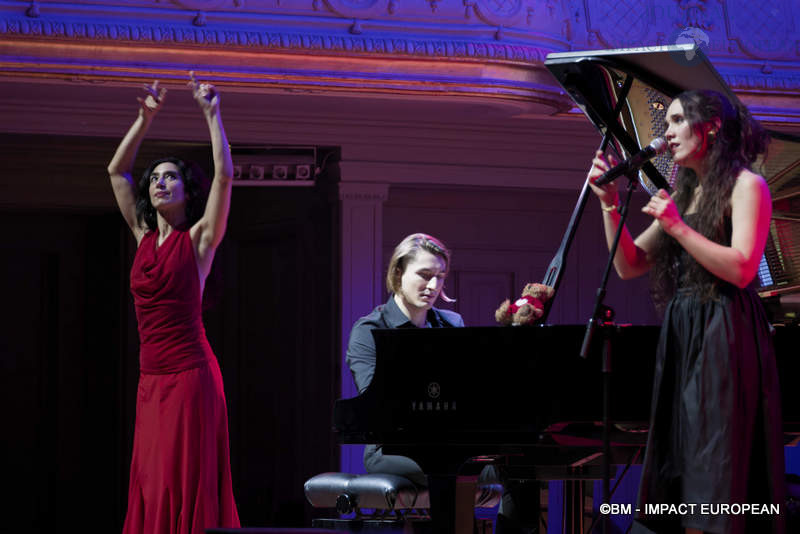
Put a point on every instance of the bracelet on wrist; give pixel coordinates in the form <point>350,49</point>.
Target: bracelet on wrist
<point>609,209</point>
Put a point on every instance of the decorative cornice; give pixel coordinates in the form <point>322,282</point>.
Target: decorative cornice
<point>186,35</point>
<point>331,42</point>
<point>45,29</point>
<point>780,82</point>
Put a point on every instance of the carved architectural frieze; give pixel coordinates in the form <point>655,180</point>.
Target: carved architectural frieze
<point>727,27</point>
<point>754,45</point>
<point>187,34</point>
<point>783,82</point>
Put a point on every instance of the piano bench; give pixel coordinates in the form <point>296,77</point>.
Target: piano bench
<point>347,493</point>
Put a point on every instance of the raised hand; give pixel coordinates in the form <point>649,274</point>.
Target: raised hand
<point>664,210</point>
<point>152,102</point>
<point>607,193</point>
<point>207,233</point>
<point>205,94</point>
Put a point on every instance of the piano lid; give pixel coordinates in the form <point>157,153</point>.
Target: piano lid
<point>625,93</point>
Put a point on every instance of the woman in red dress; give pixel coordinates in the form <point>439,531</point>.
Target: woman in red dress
<point>180,479</point>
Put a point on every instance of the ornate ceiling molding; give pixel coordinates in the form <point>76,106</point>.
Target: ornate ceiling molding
<point>326,54</point>
<point>273,40</point>
<point>59,52</point>
<point>486,48</point>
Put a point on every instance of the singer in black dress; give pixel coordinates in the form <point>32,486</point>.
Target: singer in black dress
<point>715,432</point>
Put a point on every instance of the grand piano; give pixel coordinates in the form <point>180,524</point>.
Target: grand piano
<point>522,397</point>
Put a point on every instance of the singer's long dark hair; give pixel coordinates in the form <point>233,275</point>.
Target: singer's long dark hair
<point>735,146</point>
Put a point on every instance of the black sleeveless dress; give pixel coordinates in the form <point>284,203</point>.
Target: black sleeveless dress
<point>715,429</point>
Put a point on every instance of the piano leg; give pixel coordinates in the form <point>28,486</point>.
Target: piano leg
<point>572,515</point>
<point>466,488</point>
<point>452,504</point>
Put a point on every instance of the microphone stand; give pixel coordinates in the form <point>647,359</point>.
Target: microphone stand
<point>603,316</point>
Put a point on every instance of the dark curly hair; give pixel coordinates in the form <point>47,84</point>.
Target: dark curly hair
<point>195,186</point>
<point>737,143</point>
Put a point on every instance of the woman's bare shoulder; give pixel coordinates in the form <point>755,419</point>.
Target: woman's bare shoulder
<point>747,180</point>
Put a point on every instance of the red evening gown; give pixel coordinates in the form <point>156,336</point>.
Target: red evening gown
<point>180,479</point>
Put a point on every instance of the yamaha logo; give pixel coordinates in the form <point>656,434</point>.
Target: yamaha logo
<point>434,403</point>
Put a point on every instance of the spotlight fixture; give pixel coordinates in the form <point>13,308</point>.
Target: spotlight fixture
<point>278,165</point>
<point>256,172</point>
<point>280,172</point>
<point>302,172</point>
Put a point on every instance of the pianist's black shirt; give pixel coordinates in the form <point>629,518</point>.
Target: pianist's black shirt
<point>361,348</point>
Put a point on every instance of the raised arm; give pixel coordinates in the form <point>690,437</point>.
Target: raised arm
<point>751,209</point>
<point>207,233</point>
<point>121,167</point>
<point>633,257</point>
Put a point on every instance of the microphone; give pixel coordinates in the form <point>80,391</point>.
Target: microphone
<point>657,146</point>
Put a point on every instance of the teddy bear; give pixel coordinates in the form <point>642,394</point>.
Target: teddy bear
<point>528,308</point>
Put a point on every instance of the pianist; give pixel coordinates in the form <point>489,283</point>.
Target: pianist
<point>715,430</point>
<point>415,280</point>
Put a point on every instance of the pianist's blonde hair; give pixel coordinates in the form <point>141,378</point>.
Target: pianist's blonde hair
<point>407,251</point>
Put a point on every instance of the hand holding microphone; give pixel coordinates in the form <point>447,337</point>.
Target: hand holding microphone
<point>609,198</point>
<point>634,163</point>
